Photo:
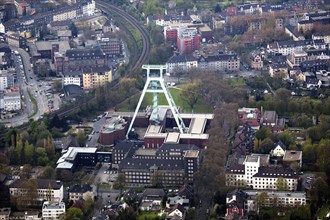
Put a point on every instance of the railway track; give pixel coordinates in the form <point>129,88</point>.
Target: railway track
<point>116,12</point>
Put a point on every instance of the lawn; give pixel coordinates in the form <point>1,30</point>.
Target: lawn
<point>149,215</point>
<point>236,82</point>
<point>130,104</point>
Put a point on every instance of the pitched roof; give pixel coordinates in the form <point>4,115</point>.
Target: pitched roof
<point>153,192</point>
<point>275,172</point>
<point>279,143</point>
<point>80,188</point>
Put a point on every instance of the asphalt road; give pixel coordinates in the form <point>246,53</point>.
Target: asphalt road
<point>97,126</point>
<point>27,82</point>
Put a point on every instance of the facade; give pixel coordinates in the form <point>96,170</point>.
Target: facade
<point>278,149</point>
<point>241,202</point>
<point>182,63</point>
<point>77,156</point>
<point>52,210</point>
<point>12,101</point>
<point>82,59</point>
<point>96,77</point>
<point>258,175</point>
<point>256,62</point>
<point>3,81</point>
<point>111,47</point>
<point>170,165</point>
<point>5,213</point>
<point>221,62</point>
<point>77,192</point>
<point>48,190</point>
<point>73,78</point>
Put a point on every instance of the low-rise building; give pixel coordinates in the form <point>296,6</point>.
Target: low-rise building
<point>53,210</point>
<point>96,77</point>
<point>46,190</point>
<point>292,157</point>
<point>12,101</point>
<point>77,192</point>
<point>5,213</point>
<point>242,202</point>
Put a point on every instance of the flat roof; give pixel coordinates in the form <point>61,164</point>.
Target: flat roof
<point>154,129</point>
<point>190,115</point>
<point>279,194</point>
<point>146,152</point>
<point>172,137</point>
<point>197,125</point>
<point>73,151</point>
<point>192,153</point>
<point>64,165</point>
<point>252,159</point>
<point>292,155</point>
<point>194,136</point>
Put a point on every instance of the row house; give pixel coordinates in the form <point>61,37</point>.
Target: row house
<point>322,36</point>
<point>287,47</point>
<point>242,202</point>
<point>184,63</point>
<point>220,62</point>
<point>78,192</point>
<point>79,59</point>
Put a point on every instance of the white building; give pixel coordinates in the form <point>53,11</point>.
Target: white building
<point>52,210</point>
<point>89,8</point>
<point>72,79</point>
<point>78,192</point>
<point>3,82</point>
<point>48,190</point>
<point>252,164</point>
<point>12,101</point>
<point>255,173</point>
<point>182,63</point>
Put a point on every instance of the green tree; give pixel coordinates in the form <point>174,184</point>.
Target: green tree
<point>120,182</point>
<point>28,152</point>
<point>302,213</point>
<point>88,204</point>
<point>48,172</point>
<point>262,199</point>
<point>281,184</point>
<point>190,93</point>
<point>81,138</point>
<point>74,214</point>
<point>26,171</point>
<point>323,152</point>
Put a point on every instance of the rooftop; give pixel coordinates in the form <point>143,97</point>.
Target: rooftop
<point>192,153</point>
<point>41,183</point>
<point>292,155</point>
<point>53,205</point>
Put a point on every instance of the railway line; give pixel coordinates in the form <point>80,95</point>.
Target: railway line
<point>138,60</point>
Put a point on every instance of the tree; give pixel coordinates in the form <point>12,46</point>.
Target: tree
<point>48,172</point>
<point>88,204</point>
<point>302,213</point>
<point>26,171</point>
<point>81,138</point>
<point>217,9</point>
<point>120,182</point>
<point>281,184</point>
<point>262,199</point>
<point>190,93</point>
<point>74,214</point>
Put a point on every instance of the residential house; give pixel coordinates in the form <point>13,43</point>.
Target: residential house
<point>235,203</point>
<point>53,210</point>
<point>296,58</point>
<point>322,36</point>
<point>242,202</point>
<point>252,116</point>
<point>177,212</point>
<point>5,213</point>
<point>256,62</point>
<point>77,192</point>
<point>220,62</point>
<point>95,77</point>
<point>244,139</point>
<point>152,199</point>
<point>178,63</point>
<point>171,201</point>
<point>278,149</point>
